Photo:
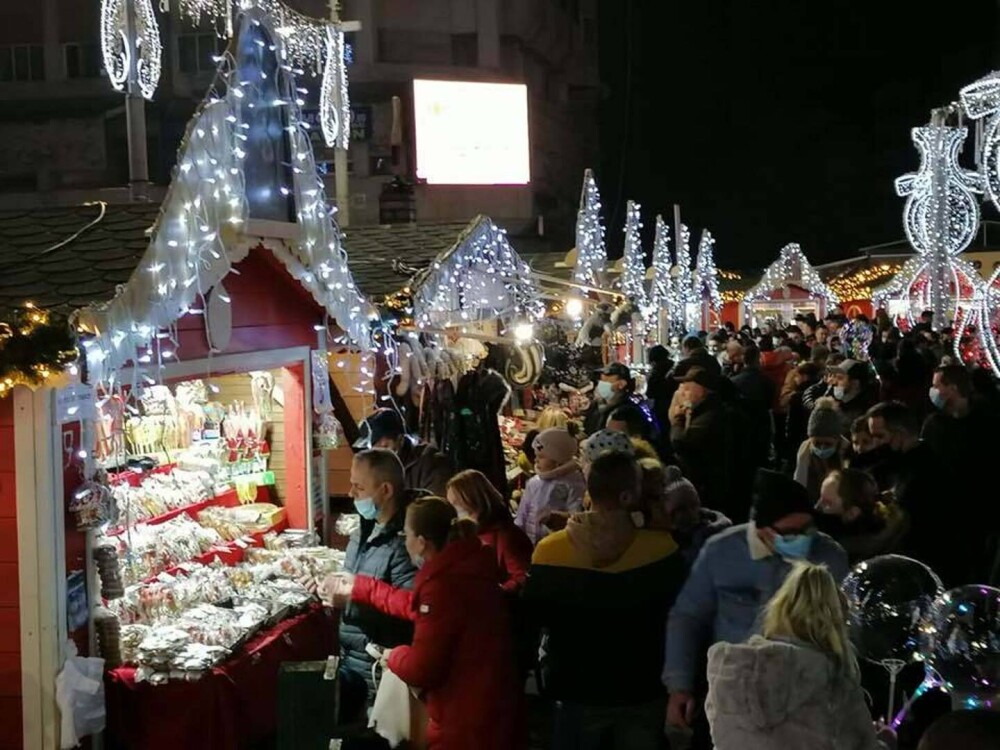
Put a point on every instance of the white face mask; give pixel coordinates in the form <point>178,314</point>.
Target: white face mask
<point>462,513</point>
<point>605,390</point>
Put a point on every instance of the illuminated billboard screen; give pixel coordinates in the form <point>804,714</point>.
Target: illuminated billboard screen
<point>471,133</point>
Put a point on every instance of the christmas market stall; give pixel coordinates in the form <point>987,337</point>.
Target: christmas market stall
<point>790,286</point>
<point>167,486</point>
<point>855,279</point>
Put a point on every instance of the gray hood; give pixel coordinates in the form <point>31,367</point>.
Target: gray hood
<point>766,682</point>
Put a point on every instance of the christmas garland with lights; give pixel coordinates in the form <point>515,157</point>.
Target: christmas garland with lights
<point>34,345</point>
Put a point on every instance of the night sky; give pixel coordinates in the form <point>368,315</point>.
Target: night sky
<point>777,121</point>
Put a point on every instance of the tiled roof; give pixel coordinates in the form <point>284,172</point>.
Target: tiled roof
<point>384,258</point>
<point>40,263</point>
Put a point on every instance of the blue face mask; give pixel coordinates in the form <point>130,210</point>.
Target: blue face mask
<point>366,508</point>
<point>605,390</point>
<point>793,546</point>
<point>936,398</point>
<point>839,392</point>
<point>823,452</point>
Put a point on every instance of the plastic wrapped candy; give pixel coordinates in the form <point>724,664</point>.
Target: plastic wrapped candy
<point>961,640</point>
<point>887,598</point>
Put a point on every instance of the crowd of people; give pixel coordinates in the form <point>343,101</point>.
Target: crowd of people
<point>676,558</point>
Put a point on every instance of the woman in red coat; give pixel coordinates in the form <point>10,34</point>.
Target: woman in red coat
<point>462,655</point>
<point>474,497</point>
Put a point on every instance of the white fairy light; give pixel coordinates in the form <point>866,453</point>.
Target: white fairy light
<point>683,291</point>
<point>591,254</point>
<point>982,100</point>
<point>481,266</point>
<point>335,118</point>
<point>791,267</point>
<point>117,49</point>
<point>706,274</point>
<point>189,253</point>
<point>661,295</point>
<point>634,260</point>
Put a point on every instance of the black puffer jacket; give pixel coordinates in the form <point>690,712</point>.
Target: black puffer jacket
<point>379,553</point>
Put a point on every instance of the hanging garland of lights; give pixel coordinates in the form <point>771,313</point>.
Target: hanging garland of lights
<point>194,242</point>
<point>591,254</point>
<point>859,284</point>
<point>34,346</point>
<point>791,267</point>
<point>480,278</point>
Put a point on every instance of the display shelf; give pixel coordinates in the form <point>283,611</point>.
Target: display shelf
<point>226,499</point>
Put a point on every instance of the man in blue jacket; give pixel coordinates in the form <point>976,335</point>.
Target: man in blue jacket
<point>735,575</point>
<point>377,549</point>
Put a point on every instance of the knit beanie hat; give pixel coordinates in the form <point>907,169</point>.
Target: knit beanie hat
<point>776,496</point>
<point>555,444</point>
<point>606,441</point>
<point>826,420</point>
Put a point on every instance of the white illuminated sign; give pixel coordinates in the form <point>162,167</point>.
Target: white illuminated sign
<point>471,133</point>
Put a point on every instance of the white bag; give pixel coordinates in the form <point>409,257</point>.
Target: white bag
<point>390,715</point>
<point>80,697</point>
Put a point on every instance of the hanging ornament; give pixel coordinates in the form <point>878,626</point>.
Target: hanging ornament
<point>334,104</point>
<point>117,48</point>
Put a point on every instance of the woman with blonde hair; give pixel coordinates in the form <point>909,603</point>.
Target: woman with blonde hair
<point>473,496</point>
<point>552,416</point>
<point>797,685</point>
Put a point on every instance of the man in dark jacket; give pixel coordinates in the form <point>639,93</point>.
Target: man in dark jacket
<point>377,549</point>
<point>597,575</point>
<point>696,355</point>
<point>759,395</point>
<point>426,469</point>
<point>853,390</point>
<point>615,388</point>
<point>710,440</point>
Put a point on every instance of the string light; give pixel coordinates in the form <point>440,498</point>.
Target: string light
<point>791,267</point>
<point>982,100</point>
<point>480,278</point>
<point>634,260</point>
<point>194,240</point>
<point>683,291</point>
<point>117,49</point>
<point>859,284</point>
<point>662,286</point>
<point>706,274</point>
<point>591,254</point>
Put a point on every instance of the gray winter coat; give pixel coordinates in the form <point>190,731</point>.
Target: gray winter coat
<point>382,555</point>
<point>784,695</point>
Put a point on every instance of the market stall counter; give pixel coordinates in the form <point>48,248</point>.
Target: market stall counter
<point>232,706</point>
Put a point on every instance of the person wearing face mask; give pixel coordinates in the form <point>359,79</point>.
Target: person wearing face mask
<point>462,655</point>
<point>614,388</point>
<point>825,450</point>
<point>852,389</point>
<point>375,549</point>
<point>735,575</point>
<point>475,499</point>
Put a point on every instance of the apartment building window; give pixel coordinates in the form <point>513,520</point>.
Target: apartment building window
<point>82,59</point>
<point>465,50</point>
<point>22,62</point>
<point>195,52</point>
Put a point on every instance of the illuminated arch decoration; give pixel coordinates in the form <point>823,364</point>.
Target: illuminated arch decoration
<point>591,253</point>
<point>117,51</point>
<point>480,278</point>
<point>792,268</point>
<point>196,239</point>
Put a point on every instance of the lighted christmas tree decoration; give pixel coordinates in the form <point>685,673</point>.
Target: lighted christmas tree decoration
<point>683,282</point>
<point>791,267</point>
<point>706,274</point>
<point>119,44</point>
<point>661,292</point>
<point>634,261</point>
<point>591,254</point>
<point>480,278</point>
<point>217,186</point>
